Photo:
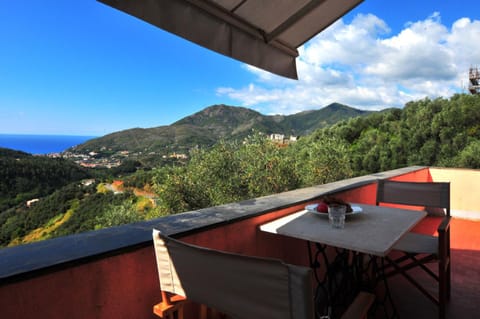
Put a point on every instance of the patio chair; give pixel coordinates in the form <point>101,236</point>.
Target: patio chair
<point>420,249</point>
<point>237,285</point>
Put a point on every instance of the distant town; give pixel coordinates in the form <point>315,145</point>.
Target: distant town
<point>94,159</point>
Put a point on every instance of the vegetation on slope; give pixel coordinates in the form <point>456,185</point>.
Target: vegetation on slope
<point>440,132</point>
<point>233,171</point>
<point>24,177</point>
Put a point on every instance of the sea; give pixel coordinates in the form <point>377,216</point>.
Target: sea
<point>41,144</point>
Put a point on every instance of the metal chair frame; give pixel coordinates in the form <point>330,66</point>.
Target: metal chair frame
<point>428,194</point>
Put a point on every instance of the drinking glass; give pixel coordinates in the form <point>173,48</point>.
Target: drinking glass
<point>336,215</point>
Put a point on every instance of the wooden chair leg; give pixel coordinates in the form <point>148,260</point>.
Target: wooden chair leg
<point>442,289</point>
<point>180,313</point>
<point>217,314</point>
<point>211,313</point>
<point>448,281</point>
<point>203,312</point>
<point>170,306</point>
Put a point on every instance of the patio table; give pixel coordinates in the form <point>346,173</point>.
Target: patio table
<point>373,232</point>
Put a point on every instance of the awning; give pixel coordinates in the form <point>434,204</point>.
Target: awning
<point>262,33</point>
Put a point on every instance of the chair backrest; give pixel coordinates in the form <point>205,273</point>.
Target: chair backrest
<point>431,195</point>
<point>237,285</point>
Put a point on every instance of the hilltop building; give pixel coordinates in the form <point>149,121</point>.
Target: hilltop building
<point>176,156</point>
<point>474,78</point>
<point>282,139</point>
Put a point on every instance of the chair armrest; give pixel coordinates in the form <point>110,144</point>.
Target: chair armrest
<point>444,225</point>
<point>444,242</point>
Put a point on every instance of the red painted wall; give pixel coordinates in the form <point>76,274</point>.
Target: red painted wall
<point>422,175</point>
<point>123,286</point>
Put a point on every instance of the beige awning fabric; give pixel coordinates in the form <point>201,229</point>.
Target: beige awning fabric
<point>262,33</point>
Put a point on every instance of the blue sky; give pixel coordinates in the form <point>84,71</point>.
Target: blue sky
<point>82,68</point>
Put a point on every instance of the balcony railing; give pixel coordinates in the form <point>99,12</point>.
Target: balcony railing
<point>111,273</point>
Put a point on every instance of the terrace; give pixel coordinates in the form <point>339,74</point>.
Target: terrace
<point>111,273</point>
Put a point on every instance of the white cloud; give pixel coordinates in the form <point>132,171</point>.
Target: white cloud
<point>362,65</point>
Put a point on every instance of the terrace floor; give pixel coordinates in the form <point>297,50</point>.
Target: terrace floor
<point>465,293</point>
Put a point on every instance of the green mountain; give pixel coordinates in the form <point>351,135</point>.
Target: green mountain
<point>206,127</point>
<point>306,122</point>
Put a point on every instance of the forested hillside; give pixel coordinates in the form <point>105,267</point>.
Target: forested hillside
<point>440,132</point>
<point>24,177</point>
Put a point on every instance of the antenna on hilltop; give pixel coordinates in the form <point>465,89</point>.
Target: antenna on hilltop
<point>474,77</point>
